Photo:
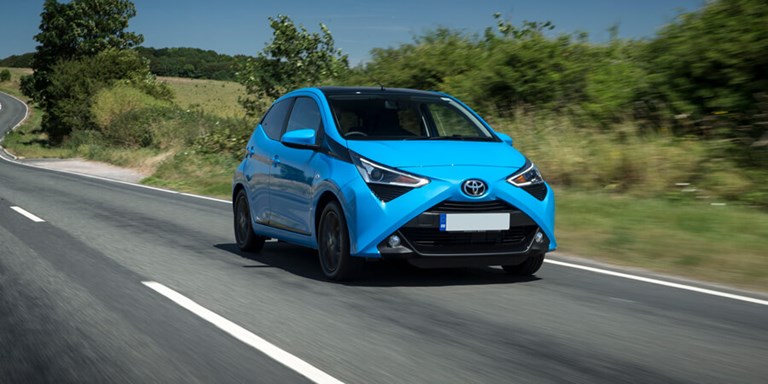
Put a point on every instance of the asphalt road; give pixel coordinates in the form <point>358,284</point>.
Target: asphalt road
<point>74,309</point>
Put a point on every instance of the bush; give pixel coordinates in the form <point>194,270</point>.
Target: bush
<point>5,75</point>
<point>109,103</point>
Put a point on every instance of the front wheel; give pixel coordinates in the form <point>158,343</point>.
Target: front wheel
<point>526,268</point>
<point>333,245</point>
<point>246,240</point>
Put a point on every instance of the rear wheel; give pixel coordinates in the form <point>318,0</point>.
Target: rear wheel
<point>246,240</point>
<point>526,268</point>
<point>333,245</point>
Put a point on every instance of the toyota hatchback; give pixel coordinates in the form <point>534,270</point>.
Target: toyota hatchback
<point>373,173</point>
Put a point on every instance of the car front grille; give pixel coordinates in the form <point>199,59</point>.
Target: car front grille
<point>472,207</point>
<point>433,241</point>
<point>424,235</point>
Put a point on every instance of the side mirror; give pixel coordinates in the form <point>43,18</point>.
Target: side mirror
<point>300,138</point>
<point>505,138</point>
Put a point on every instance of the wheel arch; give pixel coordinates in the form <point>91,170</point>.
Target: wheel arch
<point>238,187</point>
<point>325,198</point>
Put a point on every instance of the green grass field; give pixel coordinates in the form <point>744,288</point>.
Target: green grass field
<point>212,96</point>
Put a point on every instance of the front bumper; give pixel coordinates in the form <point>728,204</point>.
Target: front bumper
<point>373,216</point>
<point>422,242</point>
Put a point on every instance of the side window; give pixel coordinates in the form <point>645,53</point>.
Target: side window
<point>305,115</point>
<point>274,119</point>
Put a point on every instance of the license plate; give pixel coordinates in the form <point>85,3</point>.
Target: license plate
<point>472,222</point>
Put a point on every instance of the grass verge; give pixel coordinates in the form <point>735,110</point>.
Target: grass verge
<point>720,243</point>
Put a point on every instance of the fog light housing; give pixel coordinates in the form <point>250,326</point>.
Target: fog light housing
<point>393,241</point>
<point>538,238</point>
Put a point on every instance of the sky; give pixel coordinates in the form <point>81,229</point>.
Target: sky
<point>241,26</point>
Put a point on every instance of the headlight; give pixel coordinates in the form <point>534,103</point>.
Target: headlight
<point>528,175</point>
<point>374,173</point>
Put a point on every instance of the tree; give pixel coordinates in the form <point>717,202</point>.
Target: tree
<point>5,75</point>
<point>70,32</point>
<point>293,59</point>
<point>74,83</point>
<point>713,62</point>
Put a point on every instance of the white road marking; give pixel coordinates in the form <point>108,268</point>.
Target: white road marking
<point>300,366</point>
<point>660,282</point>
<point>28,215</point>
<point>206,198</point>
<point>115,181</point>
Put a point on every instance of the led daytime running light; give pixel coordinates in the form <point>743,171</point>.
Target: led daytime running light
<point>529,176</point>
<point>374,173</point>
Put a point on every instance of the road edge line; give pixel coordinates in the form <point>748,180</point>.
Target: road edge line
<point>669,284</point>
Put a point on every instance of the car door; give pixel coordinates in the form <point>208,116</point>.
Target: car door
<point>292,172</point>
<point>261,148</point>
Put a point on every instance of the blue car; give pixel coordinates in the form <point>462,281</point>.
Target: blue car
<point>372,173</point>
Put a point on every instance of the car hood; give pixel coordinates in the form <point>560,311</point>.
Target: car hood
<point>424,153</point>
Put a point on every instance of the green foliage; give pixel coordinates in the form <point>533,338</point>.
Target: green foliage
<point>73,85</point>
<point>717,55</point>
<point>71,33</point>
<point>5,75</point>
<point>713,62</point>
<point>515,67</point>
<point>190,63</point>
<point>423,65</point>
<point>167,127</point>
<point>294,58</point>
<point>109,103</point>
<point>77,29</point>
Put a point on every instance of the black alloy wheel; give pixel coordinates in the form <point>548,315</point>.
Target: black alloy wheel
<point>246,240</point>
<point>333,245</point>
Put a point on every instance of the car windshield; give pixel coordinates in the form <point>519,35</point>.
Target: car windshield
<point>404,117</point>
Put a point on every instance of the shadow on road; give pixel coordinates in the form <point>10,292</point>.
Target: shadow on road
<point>303,262</point>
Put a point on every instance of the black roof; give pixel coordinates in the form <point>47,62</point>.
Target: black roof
<point>330,91</point>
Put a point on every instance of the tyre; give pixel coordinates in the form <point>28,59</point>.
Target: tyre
<point>333,245</point>
<point>526,268</point>
<point>246,240</point>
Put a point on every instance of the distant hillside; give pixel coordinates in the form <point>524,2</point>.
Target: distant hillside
<point>190,63</point>
<point>18,61</point>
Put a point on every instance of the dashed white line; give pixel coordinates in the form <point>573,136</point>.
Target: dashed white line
<point>300,366</point>
<point>28,215</point>
<point>660,282</point>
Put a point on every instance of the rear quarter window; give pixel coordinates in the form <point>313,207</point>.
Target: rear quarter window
<point>274,121</point>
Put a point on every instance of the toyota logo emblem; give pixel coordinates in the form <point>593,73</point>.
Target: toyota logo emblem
<point>474,188</point>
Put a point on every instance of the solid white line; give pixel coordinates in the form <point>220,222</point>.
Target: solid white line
<point>242,334</point>
<point>660,282</point>
<point>206,198</point>
<point>28,215</point>
<point>115,181</point>
<point>14,160</point>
